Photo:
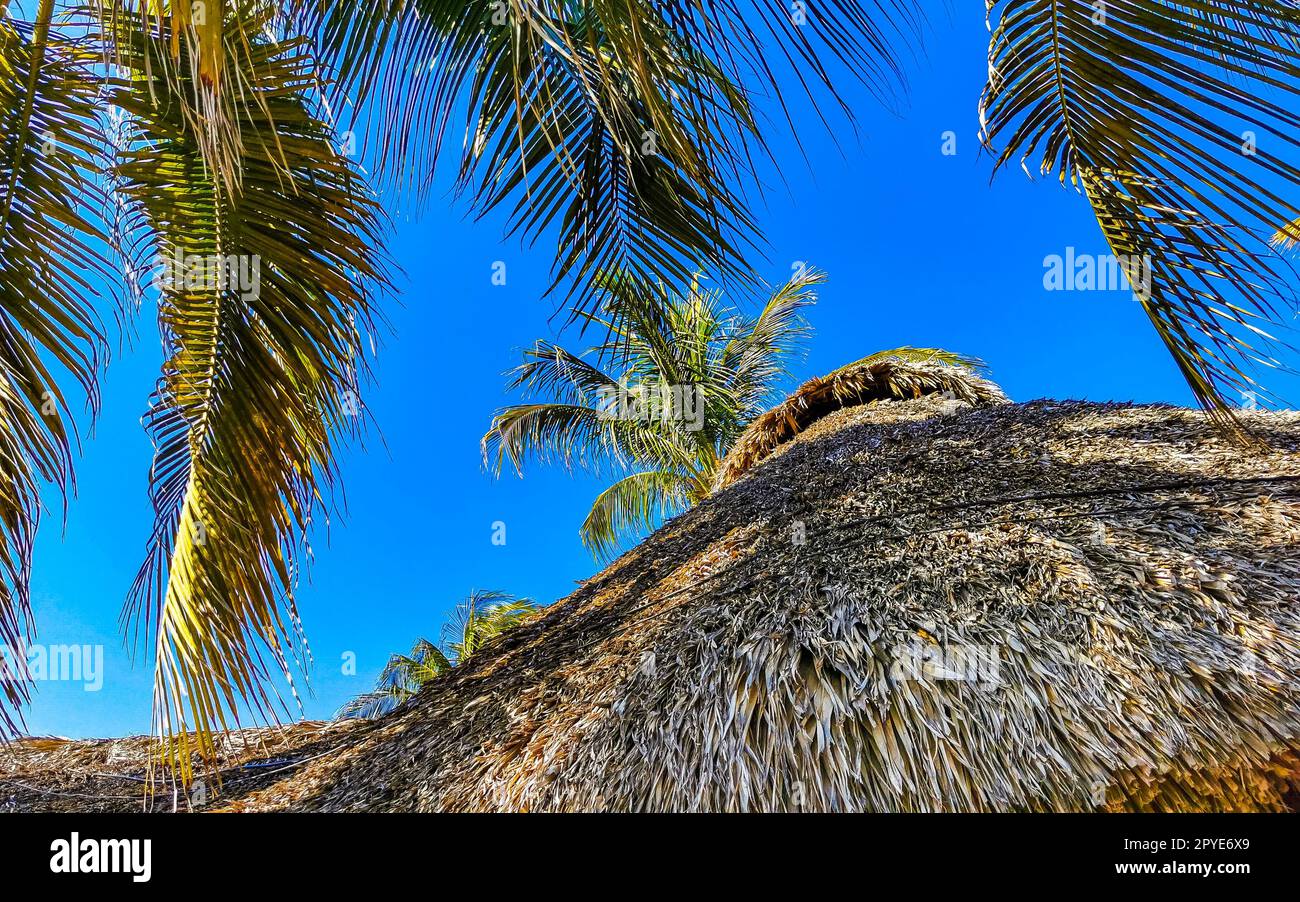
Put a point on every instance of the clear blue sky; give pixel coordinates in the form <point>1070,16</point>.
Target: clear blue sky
<point>920,250</point>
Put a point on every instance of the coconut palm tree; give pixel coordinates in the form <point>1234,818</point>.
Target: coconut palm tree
<point>621,133</point>
<point>661,400</point>
<point>482,616</point>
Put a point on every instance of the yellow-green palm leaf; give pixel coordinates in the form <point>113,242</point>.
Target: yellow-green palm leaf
<point>257,385</point>
<point>635,503</point>
<point>50,256</point>
<point>203,51</point>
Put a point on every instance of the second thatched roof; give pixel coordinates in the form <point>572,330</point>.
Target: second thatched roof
<point>875,379</point>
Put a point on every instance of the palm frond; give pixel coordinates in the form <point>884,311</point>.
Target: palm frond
<point>483,616</point>
<point>371,705</point>
<point>200,39</point>
<point>50,257</point>
<point>585,436</point>
<point>907,354</point>
<point>623,127</point>
<point>382,48</point>
<point>261,376</point>
<point>1145,107</point>
<point>400,680</point>
<point>570,123</point>
<point>756,358</point>
<point>636,502</point>
<point>1288,236</point>
<point>638,314</point>
<point>551,371</point>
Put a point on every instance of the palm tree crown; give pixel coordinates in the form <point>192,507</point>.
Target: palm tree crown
<point>661,400</point>
<point>682,375</point>
<point>482,616</point>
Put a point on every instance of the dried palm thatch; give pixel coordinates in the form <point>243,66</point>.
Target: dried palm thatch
<point>110,775</point>
<point>912,607</point>
<point>872,379</point>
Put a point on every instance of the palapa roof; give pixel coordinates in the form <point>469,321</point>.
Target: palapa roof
<point>875,379</point>
<point>924,605</point>
<point>49,773</point>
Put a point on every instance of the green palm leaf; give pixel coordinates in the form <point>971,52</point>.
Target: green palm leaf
<point>50,251</point>
<point>636,502</point>
<point>573,435</point>
<point>1146,107</point>
<point>482,617</point>
<point>757,355</point>
<point>575,428</point>
<point>622,128</point>
<point>477,620</point>
<point>400,679</point>
<point>203,51</point>
<point>260,379</point>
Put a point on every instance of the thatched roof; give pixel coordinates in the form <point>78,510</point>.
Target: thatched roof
<point>1039,606</point>
<point>109,775</point>
<point>875,379</point>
